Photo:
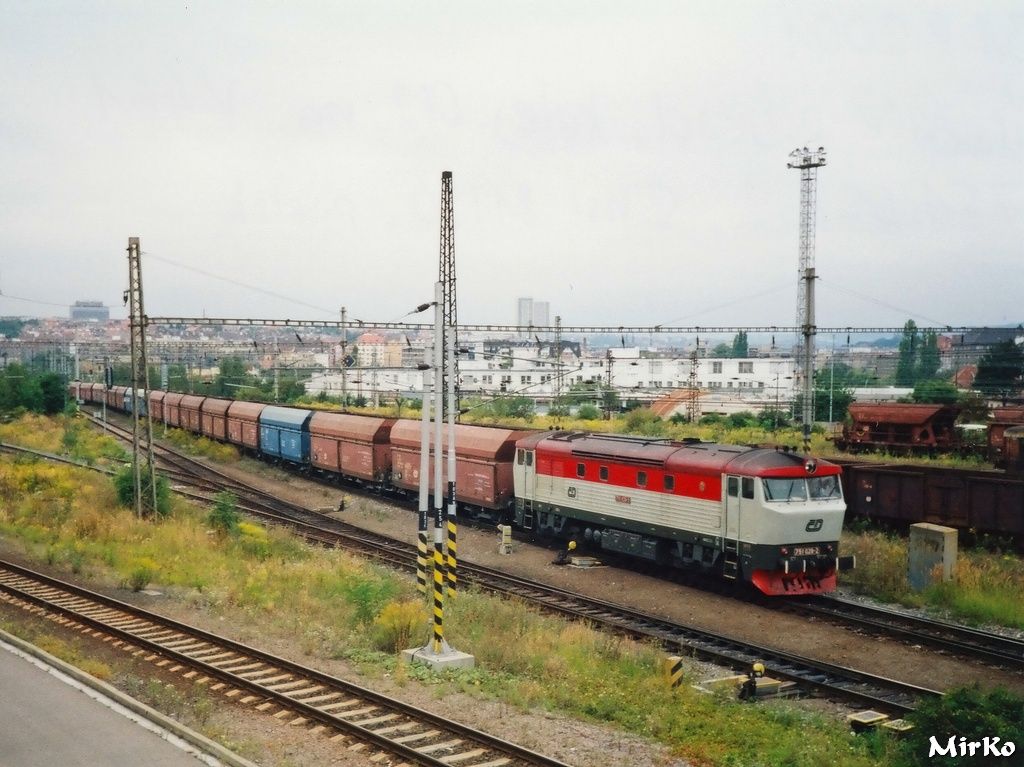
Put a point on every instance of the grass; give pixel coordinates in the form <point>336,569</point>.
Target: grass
<point>199,446</point>
<point>985,589</point>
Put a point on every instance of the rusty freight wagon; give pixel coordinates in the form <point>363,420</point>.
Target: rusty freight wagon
<point>483,468</point>
<point>115,397</point>
<point>900,428</point>
<point>353,446</point>
<point>156,405</point>
<point>1002,420</point>
<point>968,499</point>
<point>243,424</point>
<point>214,413</point>
<point>172,409</point>
<point>191,417</point>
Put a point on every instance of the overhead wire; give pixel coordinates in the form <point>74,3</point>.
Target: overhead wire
<point>256,288</point>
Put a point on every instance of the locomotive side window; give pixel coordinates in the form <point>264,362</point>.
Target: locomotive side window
<point>581,470</point>
<point>529,459</point>
<point>603,474</point>
<point>670,483</point>
<point>641,478</point>
<point>734,486</point>
<point>748,487</point>
<point>519,456</point>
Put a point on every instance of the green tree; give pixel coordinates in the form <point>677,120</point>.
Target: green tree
<point>588,412</point>
<point>907,365</point>
<point>929,361</point>
<point>722,350</point>
<point>740,347</point>
<point>935,391</point>
<point>53,393</point>
<point>1000,369</point>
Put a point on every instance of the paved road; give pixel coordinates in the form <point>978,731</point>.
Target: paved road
<point>46,720</point>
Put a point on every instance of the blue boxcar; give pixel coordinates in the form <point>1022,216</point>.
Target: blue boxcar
<point>284,433</point>
<point>129,401</point>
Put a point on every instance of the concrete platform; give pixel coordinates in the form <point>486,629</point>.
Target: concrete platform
<point>447,658</point>
<point>52,713</point>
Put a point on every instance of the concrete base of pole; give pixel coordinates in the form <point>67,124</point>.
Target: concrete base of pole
<point>447,658</point>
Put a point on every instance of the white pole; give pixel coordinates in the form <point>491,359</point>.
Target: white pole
<point>439,577</point>
<point>424,500</point>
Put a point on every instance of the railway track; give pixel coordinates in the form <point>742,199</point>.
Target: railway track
<point>999,650</point>
<point>833,681</point>
<point>266,682</point>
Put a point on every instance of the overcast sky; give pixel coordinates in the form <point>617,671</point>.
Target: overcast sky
<point>624,161</point>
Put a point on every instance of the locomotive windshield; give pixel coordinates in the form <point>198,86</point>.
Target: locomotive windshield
<point>824,488</point>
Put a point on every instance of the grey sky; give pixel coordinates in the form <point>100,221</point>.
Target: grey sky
<point>624,161</point>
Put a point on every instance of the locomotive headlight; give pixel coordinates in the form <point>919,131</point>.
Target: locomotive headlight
<point>811,466</point>
<point>784,551</point>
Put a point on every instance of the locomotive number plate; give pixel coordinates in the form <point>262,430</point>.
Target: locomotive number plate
<point>805,551</point>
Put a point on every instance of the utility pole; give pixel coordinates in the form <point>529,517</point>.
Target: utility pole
<point>807,162</point>
<point>140,375</point>
<point>608,387</point>
<point>558,362</point>
<point>344,358</point>
<point>692,395</point>
<point>446,276</point>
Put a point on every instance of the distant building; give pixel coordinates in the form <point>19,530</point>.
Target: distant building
<point>541,313</point>
<point>532,313</point>
<point>524,313</point>
<point>90,310</point>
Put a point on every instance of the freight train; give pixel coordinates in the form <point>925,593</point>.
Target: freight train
<point>902,428</point>
<point>768,517</point>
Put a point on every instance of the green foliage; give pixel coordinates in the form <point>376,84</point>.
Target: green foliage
<point>509,407</point>
<point>935,391</point>
<point>224,516</point>
<point>968,713</point>
<point>918,356</point>
<point>1000,369</point>
<point>722,350</point>
<point>741,420</point>
<point>740,347</point>
<point>973,407</point>
<point>21,389</point>
<point>588,412</point>
<point>643,421</point>
<point>53,394</point>
<point>124,487</point>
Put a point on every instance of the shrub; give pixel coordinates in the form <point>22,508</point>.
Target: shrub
<point>396,624</point>
<point>141,574</point>
<point>588,412</point>
<point>968,713</point>
<point>124,486</point>
<point>223,517</point>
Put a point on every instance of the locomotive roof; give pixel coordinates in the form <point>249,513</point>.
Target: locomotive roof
<point>689,456</point>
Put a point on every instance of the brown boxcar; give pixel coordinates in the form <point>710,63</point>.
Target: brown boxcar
<point>1013,450</point>
<point>483,469</point>
<point>172,408</point>
<point>244,423</point>
<point>191,417</point>
<point>1002,419</point>
<point>900,427</point>
<point>156,405</point>
<point>215,418</point>
<point>352,445</point>
<point>115,397</point>
<point>969,499</point>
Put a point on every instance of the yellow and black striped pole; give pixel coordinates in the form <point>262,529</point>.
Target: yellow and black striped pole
<point>424,499</point>
<point>452,532</point>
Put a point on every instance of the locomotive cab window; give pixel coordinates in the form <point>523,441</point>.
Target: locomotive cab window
<point>733,486</point>
<point>603,473</point>
<point>748,487</point>
<point>825,488</point>
<point>581,470</point>
<point>529,458</point>
<point>785,490</point>
<point>670,483</point>
<point>519,456</point>
<point>641,479</point>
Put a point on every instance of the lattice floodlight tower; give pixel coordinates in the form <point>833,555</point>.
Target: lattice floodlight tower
<point>807,161</point>
<point>446,276</point>
<point>141,429</point>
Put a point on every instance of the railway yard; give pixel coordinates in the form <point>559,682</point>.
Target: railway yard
<point>831,660</point>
